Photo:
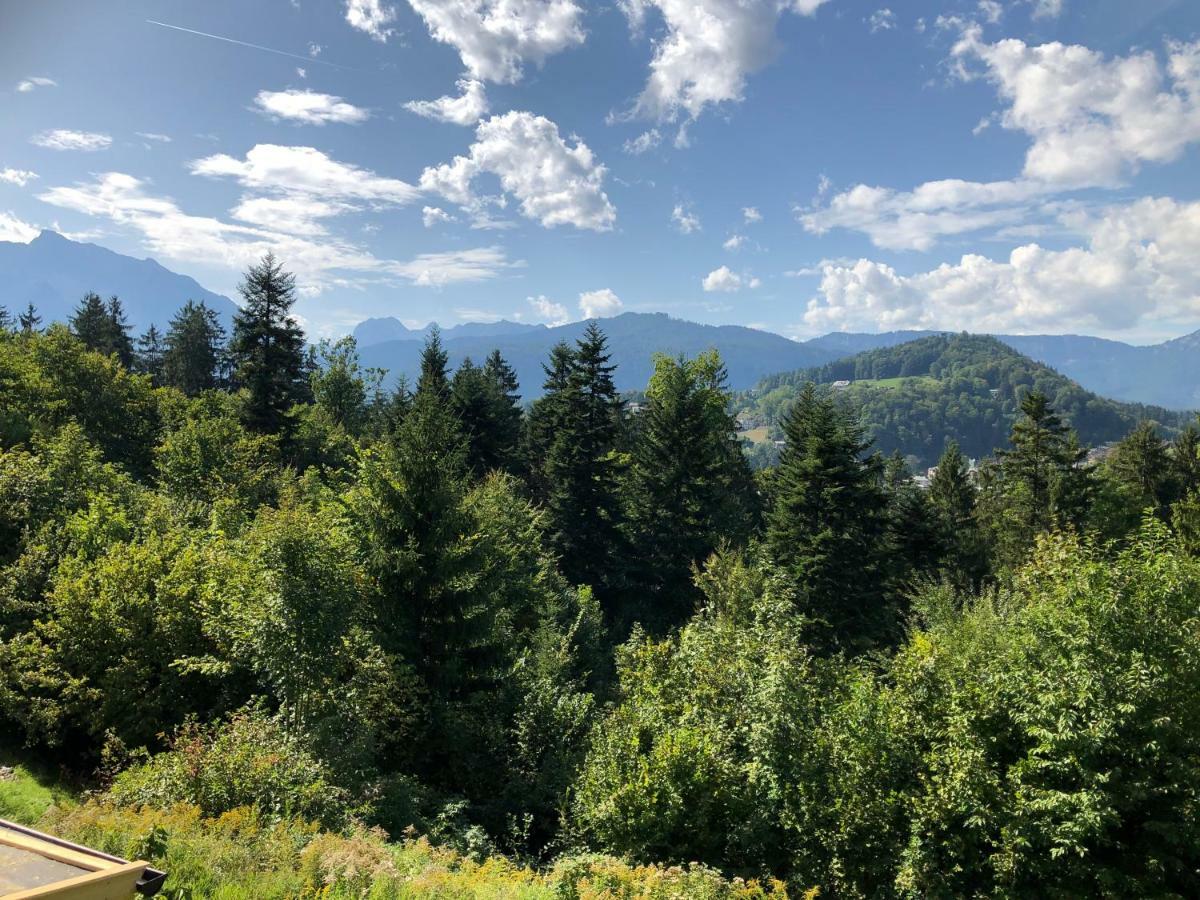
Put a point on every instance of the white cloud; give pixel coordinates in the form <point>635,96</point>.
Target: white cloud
<point>709,49</point>
<point>309,107</point>
<point>1092,122</point>
<point>432,215</point>
<point>915,220</point>
<point>684,219</point>
<point>1141,262</point>
<point>66,139</point>
<point>154,136</point>
<point>556,184</point>
<point>882,20</point>
<point>466,109</point>
<point>1092,119</point>
<point>305,170</point>
<point>751,215</point>
<point>991,11</point>
<point>495,38</point>
<point>301,72</point>
<point>34,82</point>
<point>548,311</point>
<point>647,140</point>
<point>170,233</point>
<point>735,242</point>
<point>1047,9</point>
<point>369,16</point>
<point>19,177</point>
<point>599,304</point>
<point>722,280</point>
<point>295,214</point>
<point>15,231</point>
<point>314,50</point>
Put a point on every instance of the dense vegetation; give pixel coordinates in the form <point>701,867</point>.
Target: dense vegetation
<point>915,397</point>
<point>262,605</point>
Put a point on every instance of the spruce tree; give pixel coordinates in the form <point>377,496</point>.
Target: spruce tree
<point>193,349</point>
<point>507,418</point>
<point>581,469</point>
<point>546,416</point>
<point>687,490</point>
<point>953,498</point>
<point>91,324</point>
<point>826,528</point>
<point>1141,463</point>
<point>434,378</point>
<point>6,319</point>
<point>1185,461</point>
<point>268,346</point>
<point>120,343</point>
<point>914,544</point>
<point>149,354</point>
<point>29,320</point>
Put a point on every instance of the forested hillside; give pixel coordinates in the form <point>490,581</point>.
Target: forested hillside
<point>916,397</point>
<point>303,634</point>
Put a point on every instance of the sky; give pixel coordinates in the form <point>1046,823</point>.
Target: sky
<point>801,166</point>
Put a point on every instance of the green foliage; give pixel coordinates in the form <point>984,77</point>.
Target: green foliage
<point>102,327</point>
<point>193,350</point>
<point>268,346</point>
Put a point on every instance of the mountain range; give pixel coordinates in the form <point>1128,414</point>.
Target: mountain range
<point>54,272</point>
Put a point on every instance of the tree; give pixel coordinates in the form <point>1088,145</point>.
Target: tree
<point>29,320</point>
<point>149,354</point>
<point>102,327</point>
<point>546,416</point>
<point>6,319</point>
<point>1038,483</point>
<point>490,419</point>
<point>434,379</point>
<point>826,527</point>
<point>268,346</point>
<point>341,387</point>
<point>1185,461</point>
<point>581,469</point>
<point>1142,464</point>
<point>953,497</point>
<point>192,349</point>
<point>688,487</point>
<point>121,343</point>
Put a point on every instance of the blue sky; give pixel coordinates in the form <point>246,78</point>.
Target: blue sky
<point>798,165</point>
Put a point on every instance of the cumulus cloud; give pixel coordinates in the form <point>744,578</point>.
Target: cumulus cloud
<point>546,310</point>
<point>708,50</point>
<point>556,183</point>
<point>751,215</point>
<point>34,82</point>
<point>15,231</point>
<point>309,107</point>
<point>66,139</point>
<point>882,20</point>
<point>170,233</point>
<point>495,38</point>
<point>19,177</point>
<point>599,304</point>
<point>372,17</point>
<point>734,242</point>
<point>1140,262</point>
<point>434,215</point>
<point>466,109</point>
<point>305,170</point>
<point>684,219</point>
<point>723,280</point>
<point>1091,120</point>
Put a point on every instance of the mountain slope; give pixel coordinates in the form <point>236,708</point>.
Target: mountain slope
<point>378,331</point>
<point>917,396</point>
<point>634,338</point>
<point>53,273</point>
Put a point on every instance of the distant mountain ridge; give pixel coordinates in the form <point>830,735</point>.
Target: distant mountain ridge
<point>53,272</point>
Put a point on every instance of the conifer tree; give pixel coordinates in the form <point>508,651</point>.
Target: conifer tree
<point>434,378</point>
<point>687,489</point>
<point>29,320</point>
<point>120,343</point>
<point>507,417</point>
<point>268,346</point>
<point>914,544</point>
<point>581,469</point>
<point>6,319</point>
<point>1141,462</point>
<point>953,498</point>
<point>826,527</point>
<point>1185,461</point>
<point>149,354</point>
<point>91,323</point>
<point>193,349</point>
<point>546,415</point>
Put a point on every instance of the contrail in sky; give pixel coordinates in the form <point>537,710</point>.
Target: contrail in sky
<point>229,40</point>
